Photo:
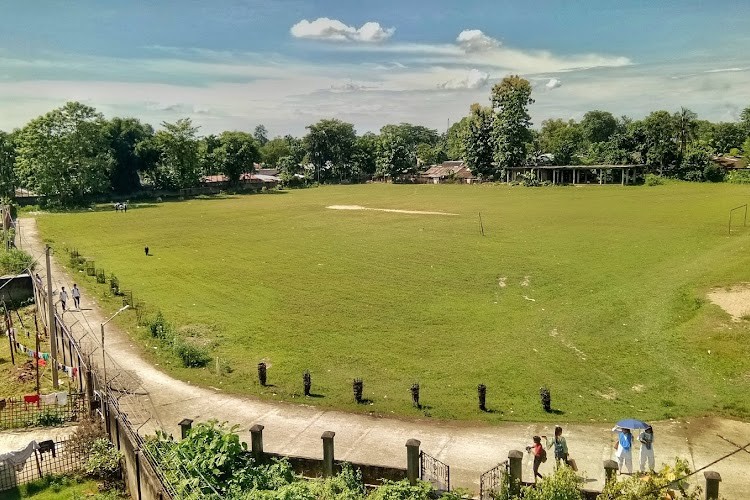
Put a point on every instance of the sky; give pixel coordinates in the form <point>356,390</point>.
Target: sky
<point>234,64</point>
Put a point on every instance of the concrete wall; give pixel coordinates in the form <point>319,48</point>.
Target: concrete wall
<point>313,467</point>
<point>16,289</point>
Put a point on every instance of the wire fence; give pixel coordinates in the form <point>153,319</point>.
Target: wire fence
<point>19,412</point>
<point>52,457</point>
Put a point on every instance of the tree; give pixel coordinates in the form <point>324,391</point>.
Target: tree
<point>364,160</point>
<point>598,126</point>
<point>745,120</point>
<point>237,154</point>
<point>330,144</point>
<point>261,135</point>
<point>412,135</point>
<point>478,142</point>
<point>510,100</point>
<point>207,146</point>
<point>7,165</point>
<point>178,165</point>
<point>660,130</point>
<point>686,128</point>
<point>124,136</point>
<point>697,166</point>
<point>564,140</point>
<point>429,154</point>
<point>746,147</point>
<point>394,158</point>
<point>453,140</point>
<point>65,154</point>
<point>278,147</point>
<point>724,136</point>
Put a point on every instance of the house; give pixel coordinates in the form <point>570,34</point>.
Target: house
<point>728,162</point>
<point>448,171</point>
<point>246,179</point>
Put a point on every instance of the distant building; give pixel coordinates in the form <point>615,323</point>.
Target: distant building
<point>259,180</point>
<point>448,171</point>
<point>731,162</point>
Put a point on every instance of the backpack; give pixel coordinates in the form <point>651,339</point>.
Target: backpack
<point>543,456</point>
<point>558,448</point>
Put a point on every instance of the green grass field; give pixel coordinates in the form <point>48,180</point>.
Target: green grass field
<point>603,298</point>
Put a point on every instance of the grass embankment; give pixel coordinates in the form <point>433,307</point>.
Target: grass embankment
<point>59,487</point>
<point>595,292</point>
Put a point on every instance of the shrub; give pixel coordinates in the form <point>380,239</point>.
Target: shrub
<point>15,261</point>
<point>402,490</point>
<point>49,418</point>
<point>103,462</point>
<point>738,177</point>
<point>191,354</point>
<point>564,484</point>
<point>654,180</point>
<point>159,327</point>
<point>652,486</point>
<point>114,284</point>
<point>100,276</point>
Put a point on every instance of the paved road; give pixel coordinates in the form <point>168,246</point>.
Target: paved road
<point>469,449</point>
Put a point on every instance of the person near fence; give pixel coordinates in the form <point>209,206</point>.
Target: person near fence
<point>560,446</point>
<point>624,452</point>
<point>63,297</point>
<point>76,293</point>
<point>540,455</point>
<point>646,437</point>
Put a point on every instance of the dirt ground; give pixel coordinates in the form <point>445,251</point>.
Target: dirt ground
<point>735,300</point>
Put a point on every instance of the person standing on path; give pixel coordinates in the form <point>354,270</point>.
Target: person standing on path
<point>63,297</point>
<point>646,437</point>
<point>624,450</point>
<point>76,293</point>
<point>561,447</point>
<point>540,456</point>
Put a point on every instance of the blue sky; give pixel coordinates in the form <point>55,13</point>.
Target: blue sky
<point>231,64</point>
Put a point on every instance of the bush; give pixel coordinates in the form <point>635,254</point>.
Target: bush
<point>159,327</point>
<point>15,261</point>
<point>49,418</point>
<point>654,180</point>
<point>564,484</point>
<point>191,354</point>
<point>738,177</point>
<point>103,462</point>
<point>652,486</point>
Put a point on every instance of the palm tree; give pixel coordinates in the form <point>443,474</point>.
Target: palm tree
<point>686,126</point>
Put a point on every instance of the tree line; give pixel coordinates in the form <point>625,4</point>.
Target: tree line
<point>73,152</point>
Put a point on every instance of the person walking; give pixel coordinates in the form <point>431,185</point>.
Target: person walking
<point>76,293</point>
<point>540,456</point>
<point>561,447</point>
<point>63,297</point>
<point>646,437</point>
<point>624,450</point>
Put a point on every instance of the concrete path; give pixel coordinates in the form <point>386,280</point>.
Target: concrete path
<point>469,449</point>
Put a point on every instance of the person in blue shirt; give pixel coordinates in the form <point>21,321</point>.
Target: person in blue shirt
<point>624,451</point>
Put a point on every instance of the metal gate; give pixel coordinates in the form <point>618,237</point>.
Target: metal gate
<point>493,482</point>
<point>435,472</point>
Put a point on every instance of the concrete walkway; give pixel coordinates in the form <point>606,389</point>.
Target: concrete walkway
<point>469,449</point>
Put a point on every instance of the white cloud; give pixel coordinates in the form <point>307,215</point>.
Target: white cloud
<point>553,83</point>
<point>476,41</point>
<point>475,79</point>
<point>334,30</point>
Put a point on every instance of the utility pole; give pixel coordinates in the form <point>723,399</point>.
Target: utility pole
<point>51,324</point>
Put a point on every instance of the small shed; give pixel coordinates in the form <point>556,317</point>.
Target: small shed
<point>448,171</point>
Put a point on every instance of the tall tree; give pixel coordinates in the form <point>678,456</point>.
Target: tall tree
<point>745,120</point>
<point>510,100</point>
<point>686,125</point>
<point>207,146</point>
<point>261,135</point>
<point>7,165</point>
<point>124,136</point>
<point>726,135</point>
<point>454,139</point>
<point>564,140</point>
<point>394,157</point>
<point>237,154</point>
<point>178,165</point>
<point>330,144</point>
<point>65,154</point>
<point>598,126</point>
<point>277,148</point>
<point>364,161</point>
<point>478,142</point>
<point>660,131</point>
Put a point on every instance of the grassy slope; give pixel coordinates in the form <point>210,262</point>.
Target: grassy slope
<point>616,274</point>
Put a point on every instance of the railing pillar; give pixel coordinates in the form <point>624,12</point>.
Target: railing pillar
<point>515,467</point>
<point>90,391</point>
<point>610,471</point>
<point>412,460</point>
<point>712,484</point>
<point>328,453</point>
<point>185,425</point>
<point>256,442</point>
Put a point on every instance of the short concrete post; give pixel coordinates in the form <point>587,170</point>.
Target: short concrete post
<point>412,460</point>
<point>185,425</point>
<point>256,442</point>
<point>515,459</point>
<point>610,471</point>
<point>90,391</point>
<point>328,453</point>
<point>712,484</point>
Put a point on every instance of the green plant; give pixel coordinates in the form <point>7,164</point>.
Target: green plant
<point>738,177</point>
<point>159,327</point>
<point>49,418</point>
<point>652,486</point>
<point>101,278</point>
<point>564,484</point>
<point>103,462</point>
<point>654,180</point>
<point>114,284</point>
<point>15,261</point>
<point>191,354</point>
<point>402,490</point>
